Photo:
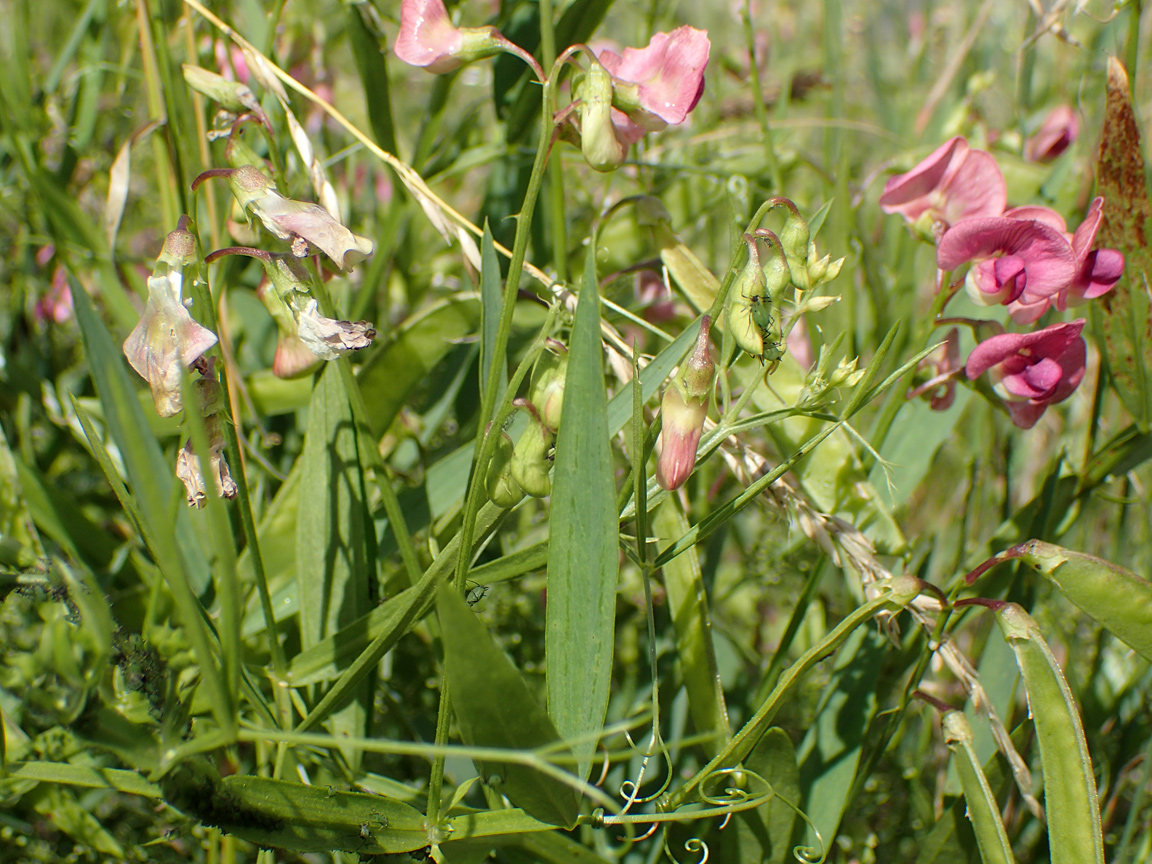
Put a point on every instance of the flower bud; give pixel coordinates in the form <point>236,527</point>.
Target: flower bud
<point>530,462</point>
<point>687,271</point>
<point>601,146</point>
<point>230,95</point>
<point>794,237</point>
<point>548,383</point>
<point>699,371</point>
<point>679,437</point>
<point>501,486</point>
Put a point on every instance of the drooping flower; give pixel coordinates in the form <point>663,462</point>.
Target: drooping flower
<point>657,86</point>
<point>167,340</point>
<point>1031,371</point>
<point>428,38</point>
<point>1060,129</point>
<point>1022,261</point>
<point>953,183</point>
<point>683,410</point>
<point>297,221</point>
<point>188,465</point>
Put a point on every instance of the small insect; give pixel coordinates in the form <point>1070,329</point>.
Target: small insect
<point>475,593</point>
<point>762,317</point>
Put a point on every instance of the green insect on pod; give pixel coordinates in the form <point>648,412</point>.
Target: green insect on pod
<point>501,486</point>
<point>530,462</point>
<point>746,294</point>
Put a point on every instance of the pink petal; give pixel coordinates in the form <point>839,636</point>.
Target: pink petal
<point>976,189</point>
<point>1039,214</point>
<point>1036,380</point>
<point>427,37</point>
<point>1085,234</point>
<point>907,194</point>
<point>1025,414</point>
<point>669,72</point>
<point>1048,256</point>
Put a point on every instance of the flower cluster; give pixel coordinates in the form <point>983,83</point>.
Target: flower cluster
<point>620,98</point>
<point>1024,258</point>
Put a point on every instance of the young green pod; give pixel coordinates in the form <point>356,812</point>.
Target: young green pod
<point>1070,803</point>
<point>1117,598</point>
<point>983,811</point>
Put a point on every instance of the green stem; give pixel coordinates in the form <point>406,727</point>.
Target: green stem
<point>556,209</point>
<point>758,106</point>
<point>794,622</point>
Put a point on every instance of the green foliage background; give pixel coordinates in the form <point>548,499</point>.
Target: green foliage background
<point>166,672</point>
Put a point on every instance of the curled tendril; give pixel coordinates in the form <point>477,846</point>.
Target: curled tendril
<point>692,844</point>
<point>762,789</point>
<point>630,789</point>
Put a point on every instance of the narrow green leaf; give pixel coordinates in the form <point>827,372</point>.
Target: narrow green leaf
<point>491,300</point>
<point>495,708</point>
<point>830,752</point>
<point>688,605</point>
<point>373,75</point>
<point>1124,317</point>
<point>583,557</point>
<point>335,552</point>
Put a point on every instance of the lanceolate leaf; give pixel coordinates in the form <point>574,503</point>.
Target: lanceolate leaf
<point>583,560</point>
<point>334,543</point>
<point>1125,312</point>
<point>495,708</point>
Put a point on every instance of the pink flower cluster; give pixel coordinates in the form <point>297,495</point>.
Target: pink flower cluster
<point>623,97</point>
<point>1023,258</point>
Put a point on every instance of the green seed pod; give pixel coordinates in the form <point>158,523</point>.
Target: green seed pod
<point>501,486</point>
<point>1117,598</point>
<point>1070,803</point>
<point>983,810</point>
<point>530,462</point>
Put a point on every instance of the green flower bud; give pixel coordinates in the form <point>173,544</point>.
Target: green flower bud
<point>746,294</point>
<point>530,462</point>
<point>548,383</point>
<point>795,235</point>
<point>230,95</point>
<point>501,486</point>
<point>601,146</point>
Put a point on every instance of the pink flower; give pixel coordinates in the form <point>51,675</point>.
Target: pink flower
<point>659,85</point>
<point>1097,270</point>
<point>1022,261</point>
<point>1031,371</point>
<point>953,183</point>
<point>1061,127</point>
<point>428,38</point>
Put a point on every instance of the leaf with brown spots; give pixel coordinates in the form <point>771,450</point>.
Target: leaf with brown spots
<point>1124,318</point>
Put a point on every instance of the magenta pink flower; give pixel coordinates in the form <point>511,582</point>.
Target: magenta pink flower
<point>1061,127</point>
<point>428,38</point>
<point>659,85</point>
<point>1022,261</point>
<point>953,183</point>
<point>1097,269</point>
<point>1031,371</point>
